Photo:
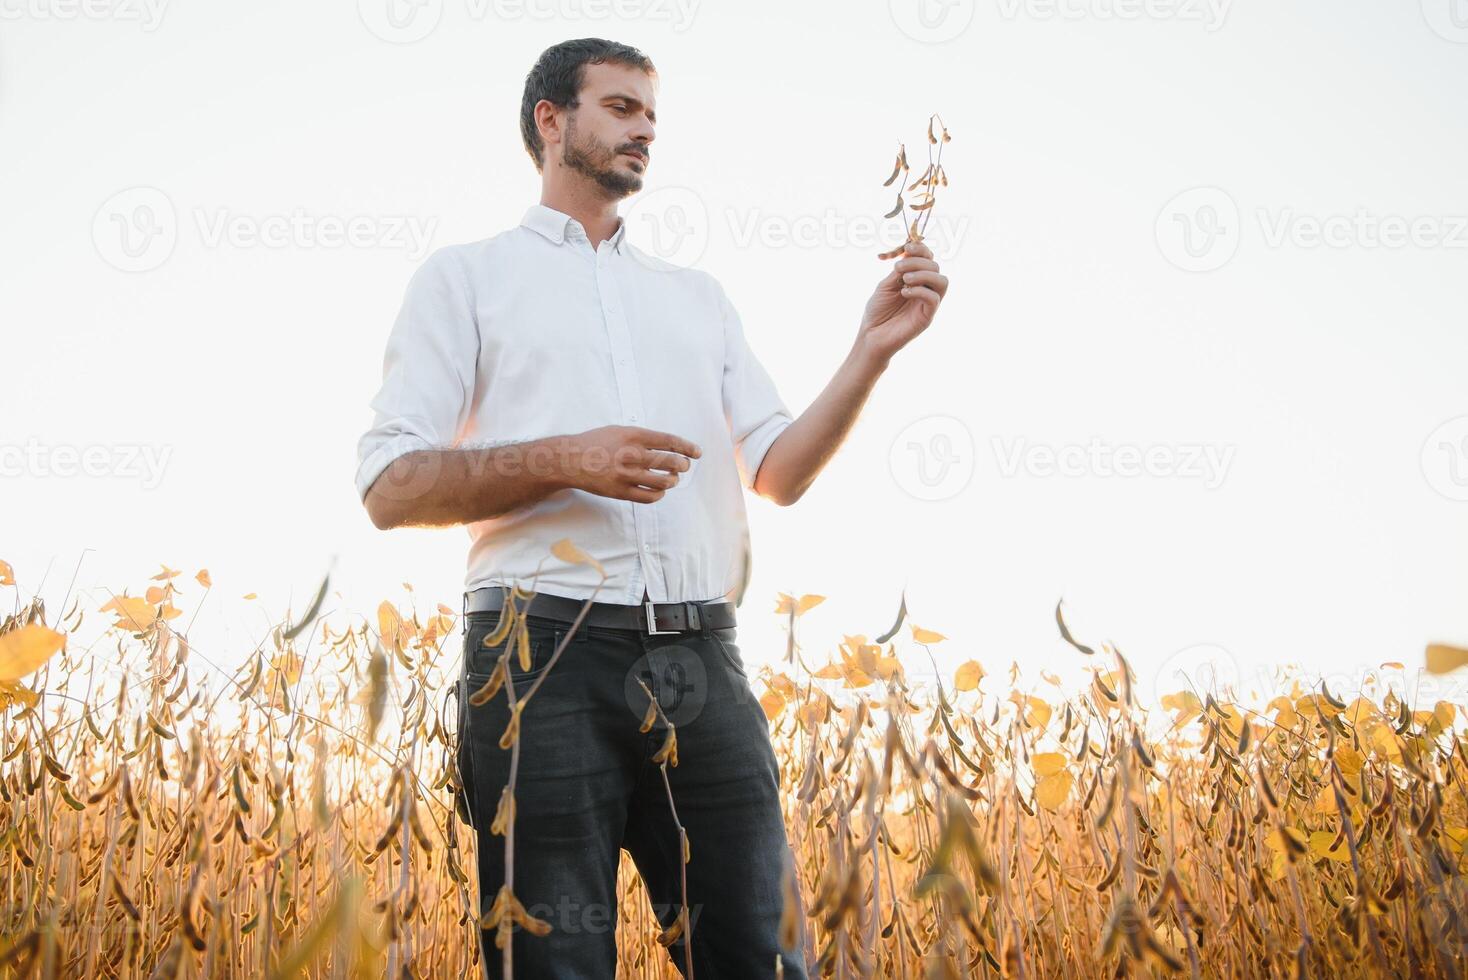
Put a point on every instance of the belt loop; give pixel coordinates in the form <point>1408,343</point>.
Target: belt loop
<point>694,617</point>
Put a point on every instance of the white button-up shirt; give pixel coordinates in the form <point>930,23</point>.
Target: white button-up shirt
<point>532,333</point>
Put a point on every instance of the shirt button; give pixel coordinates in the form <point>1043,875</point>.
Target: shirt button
<point>647,547</point>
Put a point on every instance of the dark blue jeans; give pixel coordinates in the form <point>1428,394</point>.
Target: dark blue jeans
<point>586,789</point>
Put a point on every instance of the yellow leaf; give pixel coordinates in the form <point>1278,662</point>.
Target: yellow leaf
<point>814,712</point>
<point>1442,658</point>
<point>784,686</point>
<point>1285,714</point>
<point>203,578</point>
<point>165,575</point>
<point>828,672</point>
<point>7,574</point>
<point>772,703</point>
<point>1349,760</point>
<point>926,636</point>
<point>24,650</point>
<point>970,672</point>
<point>808,602</point>
<point>1386,743</point>
<point>249,595</point>
<point>1052,791</point>
<point>1445,712</point>
<point>1185,704</point>
<point>1037,714</point>
<point>1320,842</point>
<point>389,621</point>
<point>1048,763</point>
<point>568,552</point>
<point>12,693</point>
<point>133,613</point>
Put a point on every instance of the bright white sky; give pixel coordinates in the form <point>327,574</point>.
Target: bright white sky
<point>1090,305</point>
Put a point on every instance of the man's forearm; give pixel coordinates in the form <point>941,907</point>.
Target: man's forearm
<point>805,447</point>
<point>437,488</point>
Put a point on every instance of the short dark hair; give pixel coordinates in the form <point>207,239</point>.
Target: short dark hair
<point>558,75</point>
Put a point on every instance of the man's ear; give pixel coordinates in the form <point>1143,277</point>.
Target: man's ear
<point>548,121</point>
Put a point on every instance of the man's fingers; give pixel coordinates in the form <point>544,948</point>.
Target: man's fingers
<point>922,293</point>
<point>666,440</point>
<point>657,480</point>
<point>672,462</point>
<point>913,263</point>
<point>934,280</point>
<point>642,496</point>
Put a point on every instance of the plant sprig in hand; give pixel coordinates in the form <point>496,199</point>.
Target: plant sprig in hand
<point>932,178</point>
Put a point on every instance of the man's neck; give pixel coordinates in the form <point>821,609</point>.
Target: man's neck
<point>598,217</point>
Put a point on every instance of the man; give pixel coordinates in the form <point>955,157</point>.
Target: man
<point>554,382</point>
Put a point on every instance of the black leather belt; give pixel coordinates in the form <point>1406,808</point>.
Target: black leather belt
<point>653,618</point>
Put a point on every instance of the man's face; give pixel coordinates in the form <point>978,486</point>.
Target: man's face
<point>607,139</point>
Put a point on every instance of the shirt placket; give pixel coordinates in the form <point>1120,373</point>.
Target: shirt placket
<point>629,397</point>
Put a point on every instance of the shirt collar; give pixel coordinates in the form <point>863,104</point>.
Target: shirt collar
<point>554,225</point>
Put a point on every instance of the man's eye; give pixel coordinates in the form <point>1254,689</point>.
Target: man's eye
<point>620,108</point>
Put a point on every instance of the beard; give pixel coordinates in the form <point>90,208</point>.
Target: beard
<point>594,159</point>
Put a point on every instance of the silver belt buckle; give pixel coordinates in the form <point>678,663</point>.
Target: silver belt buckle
<point>652,624</point>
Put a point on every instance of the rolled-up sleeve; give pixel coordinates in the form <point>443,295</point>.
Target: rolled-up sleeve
<point>428,370</point>
<point>752,405</point>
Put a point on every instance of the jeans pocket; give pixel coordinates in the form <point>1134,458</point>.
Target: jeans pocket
<point>539,640</point>
<point>727,639</point>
